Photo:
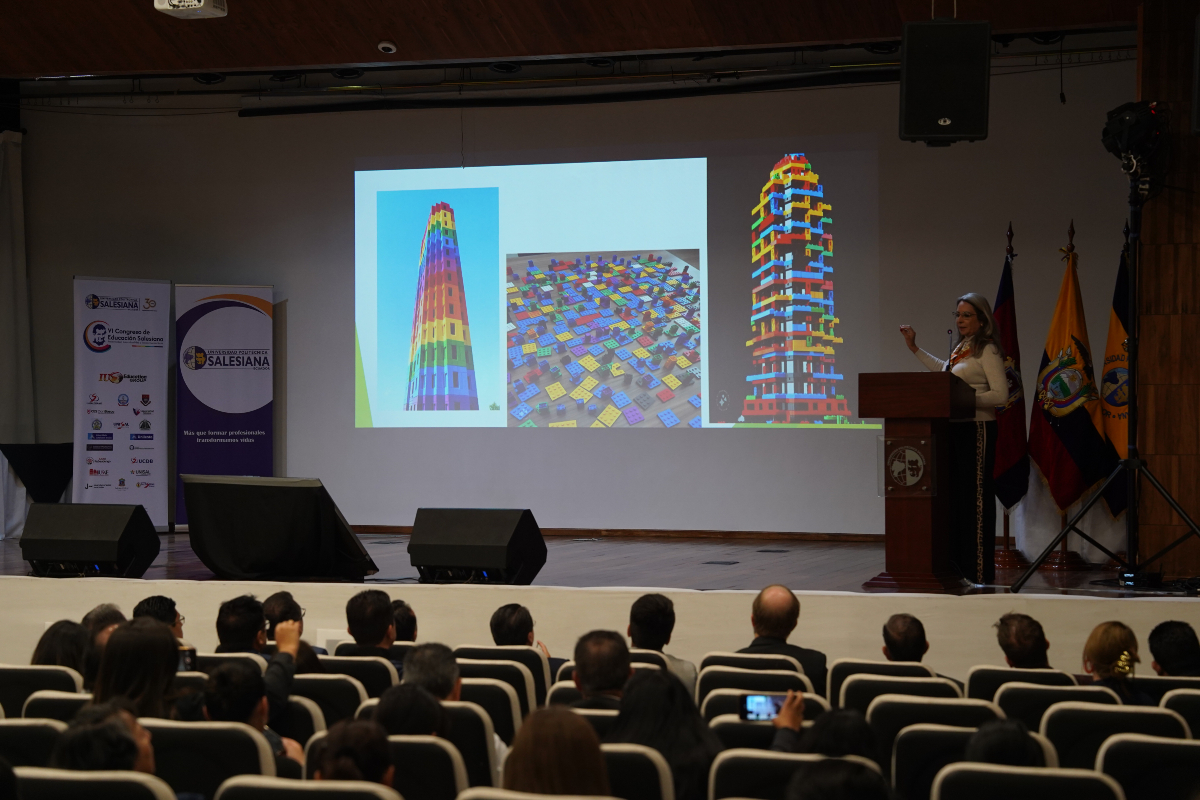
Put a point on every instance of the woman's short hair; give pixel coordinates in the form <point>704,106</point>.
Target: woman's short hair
<point>410,710</point>
<point>64,644</point>
<point>1112,650</point>
<point>139,663</point>
<point>355,750</point>
<point>556,752</point>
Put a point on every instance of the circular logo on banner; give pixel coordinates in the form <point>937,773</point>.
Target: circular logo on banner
<point>1115,388</point>
<point>906,465</point>
<point>95,336</point>
<point>224,357</point>
<point>122,399</point>
<point>91,301</point>
<point>194,357</point>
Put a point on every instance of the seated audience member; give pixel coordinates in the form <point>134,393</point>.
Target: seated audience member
<point>236,692</point>
<point>410,710</point>
<point>841,732</point>
<point>356,750</point>
<point>904,641</point>
<point>282,607</point>
<point>1007,742</point>
<point>242,628</point>
<point>773,617</point>
<point>651,622</point>
<point>658,711</point>
<point>432,667</point>
<point>601,669</point>
<point>513,625</point>
<point>406,621</point>
<point>1109,656</point>
<point>556,752</point>
<point>105,736</point>
<point>64,644</point>
<point>369,620</point>
<point>1023,641</point>
<point>1175,649</point>
<point>138,664</point>
<point>100,622</point>
<point>162,609</point>
<point>837,780</point>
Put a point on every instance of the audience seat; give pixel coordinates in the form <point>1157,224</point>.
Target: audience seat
<point>1158,685</point>
<point>1028,702</point>
<point>499,700</point>
<point>889,714</point>
<point>51,704</point>
<point>1151,768</point>
<point>1185,703</point>
<point>655,657</point>
<point>532,657</point>
<point>974,781</point>
<point>184,682</point>
<point>513,673</point>
<point>398,650</point>
<point>376,675</point>
<point>735,732</point>
<point>302,719</point>
<point>29,742</point>
<point>563,693</point>
<point>488,793</point>
<point>366,709</point>
<point>858,691</point>
<point>749,661</point>
<point>843,668</point>
<point>38,783</point>
<point>729,701</point>
<point>471,732</point>
<point>754,680</point>
<point>1077,730</point>
<point>602,719</point>
<point>339,696</point>
<point>760,775</point>
<point>920,752</point>
<point>253,787</point>
<point>983,681</point>
<point>566,672</point>
<point>196,757</point>
<point>17,683</point>
<point>427,768</point>
<point>207,662</point>
<point>637,772</point>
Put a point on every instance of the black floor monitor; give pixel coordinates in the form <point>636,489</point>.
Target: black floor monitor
<point>245,528</point>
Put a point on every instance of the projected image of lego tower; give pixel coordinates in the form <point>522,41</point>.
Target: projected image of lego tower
<point>441,371</point>
<point>792,320</point>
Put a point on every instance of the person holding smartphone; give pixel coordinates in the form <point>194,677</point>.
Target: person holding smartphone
<point>788,721</point>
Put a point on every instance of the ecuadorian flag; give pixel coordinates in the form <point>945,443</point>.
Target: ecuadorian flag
<point>1066,428</point>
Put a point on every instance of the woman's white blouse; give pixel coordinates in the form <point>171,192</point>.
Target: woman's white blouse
<point>984,374</point>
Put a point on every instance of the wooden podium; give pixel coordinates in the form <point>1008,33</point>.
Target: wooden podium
<point>917,408</point>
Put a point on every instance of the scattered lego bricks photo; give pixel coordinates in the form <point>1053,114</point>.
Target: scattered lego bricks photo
<point>604,340</point>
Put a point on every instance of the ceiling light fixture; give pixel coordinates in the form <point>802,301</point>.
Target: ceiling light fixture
<point>505,67</point>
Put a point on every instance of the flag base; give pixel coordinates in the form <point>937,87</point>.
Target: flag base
<point>1065,561</point>
<point>926,582</point>
<point>1010,559</point>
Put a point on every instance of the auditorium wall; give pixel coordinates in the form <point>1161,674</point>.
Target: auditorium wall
<point>203,196</point>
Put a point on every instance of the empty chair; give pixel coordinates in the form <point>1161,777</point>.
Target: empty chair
<point>339,696</point>
<point>888,714</point>
<point>471,732</point>
<point>253,787</point>
<point>1028,702</point>
<point>50,704</point>
<point>758,774</point>
<point>376,675</point>
<point>39,783</point>
<point>1151,768</point>
<point>532,657</point>
<point>973,781</point>
<point>1078,729</point>
<point>499,700</point>
<point>843,668</point>
<point>637,772</point>
<point>1158,685</point>
<point>563,693</point>
<point>858,691</point>
<point>755,680</point>
<point>29,742</point>
<point>197,756</point>
<point>920,752</point>
<point>1185,703</point>
<point>736,732</point>
<point>750,661</point>
<point>983,681</point>
<point>17,683</point>
<point>729,701</point>
<point>207,662</point>
<point>566,672</point>
<point>301,720</point>
<point>602,719</point>
<point>427,767</point>
<point>639,656</point>
<point>513,673</point>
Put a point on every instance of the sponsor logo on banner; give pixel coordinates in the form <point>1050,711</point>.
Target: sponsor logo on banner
<point>94,400</point>
<point>142,411</point>
<point>117,377</point>
<point>95,336</point>
<point>99,437</point>
<point>141,461</point>
<point>99,460</point>
<point>145,400</point>
<point>122,399</point>
<point>94,301</point>
<point>196,357</point>
<point>145,425</point>
<point>139,447</point>
<point>141,472</point>
<point>91,411</point>
<point>91,447</point>
<point>97,424</point>
<point>144,485</point>
<point>139,436</point>
<point>120,425</point>
<point>148,304</point>
<point>120,483</point>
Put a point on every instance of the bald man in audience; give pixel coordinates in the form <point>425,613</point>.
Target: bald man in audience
<point>773,617</point>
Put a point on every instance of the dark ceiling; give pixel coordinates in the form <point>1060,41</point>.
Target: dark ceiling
<point>129,37</point>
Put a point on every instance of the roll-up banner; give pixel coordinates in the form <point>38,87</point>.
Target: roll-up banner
<point>223,385</point>
<point>122,332</point>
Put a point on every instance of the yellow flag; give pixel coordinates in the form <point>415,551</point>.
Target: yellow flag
<point>1114,381</point>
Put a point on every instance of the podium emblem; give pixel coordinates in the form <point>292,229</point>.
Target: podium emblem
<point>906,466</point>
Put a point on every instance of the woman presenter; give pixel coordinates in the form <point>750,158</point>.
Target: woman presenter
<point>976,358</point>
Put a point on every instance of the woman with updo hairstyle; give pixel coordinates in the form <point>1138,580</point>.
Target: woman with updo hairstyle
<point>1109,656</point>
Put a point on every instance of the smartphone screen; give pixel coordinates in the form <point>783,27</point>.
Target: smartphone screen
<point>760,707</point>
<point>187,659</point>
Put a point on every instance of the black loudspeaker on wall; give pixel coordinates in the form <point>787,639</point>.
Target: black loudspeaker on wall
<point>476,545</point>
<point>64,540</point>
<point>945,72</point>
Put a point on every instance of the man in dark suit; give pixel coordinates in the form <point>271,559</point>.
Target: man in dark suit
<point>773,617</point>
<point>512,624</point>
<point>601,669</point>
<point>370,621</point>
<point>904,640</point>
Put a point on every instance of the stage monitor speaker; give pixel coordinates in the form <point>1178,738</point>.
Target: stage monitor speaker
<point>945,72</point>
<point>476,545</point>
<point>63,540</point>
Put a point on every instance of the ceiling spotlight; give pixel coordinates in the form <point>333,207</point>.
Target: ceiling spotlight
<point>348,74</point>
<point>505,67</point>
<point>280,77</point>
<point>599,63</point>
<point>209,78</point>
<point>387,47</point>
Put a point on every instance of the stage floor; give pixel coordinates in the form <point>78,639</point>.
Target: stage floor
<point>652,561</point>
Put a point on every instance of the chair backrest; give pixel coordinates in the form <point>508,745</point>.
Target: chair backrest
<point>1028,702</point>
<point>427,767</point>
<point>253,787</point>
<point>738,733</point>
<point>472,733</point>
<point>639,656</point>
<point>207,662</point>
<point>197,757</point>
<point>729,701</point>
<point>763,775</point>
<point>563,693</point>
<point>18,682</point>
<point>1158,685</point>
<point>51,704</point>
<point>1150,767</point>
<point>1077,730</point>
<point>637,772</point>
<point>974,781</point>
<point>399,650</point>
<point>489,793</point>
<point>920,752</point>
<point>984,680</point>
<point>603,720</point>
<point>513,673</point>
<point>301,720</point>
<point>843,668</point>
<point>756,680</point>
<point>858,691</point>
<point>532,657</point>
<point>750,661</point>
<point>339,696</point>
<point>189,682</point>
<point>1185,703</point>
<point>888,714</point>
<point>39,783</point>
<point>29,742</point>
<point>499,700</point>
<point>366,709</point>
<point>566,672</point>
<point>376,674</point>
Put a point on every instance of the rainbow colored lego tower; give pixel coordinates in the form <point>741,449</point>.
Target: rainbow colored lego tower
<point>792,317</point>
<point>441,370</point>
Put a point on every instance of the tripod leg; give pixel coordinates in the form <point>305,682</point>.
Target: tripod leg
<point>1166,495</point>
